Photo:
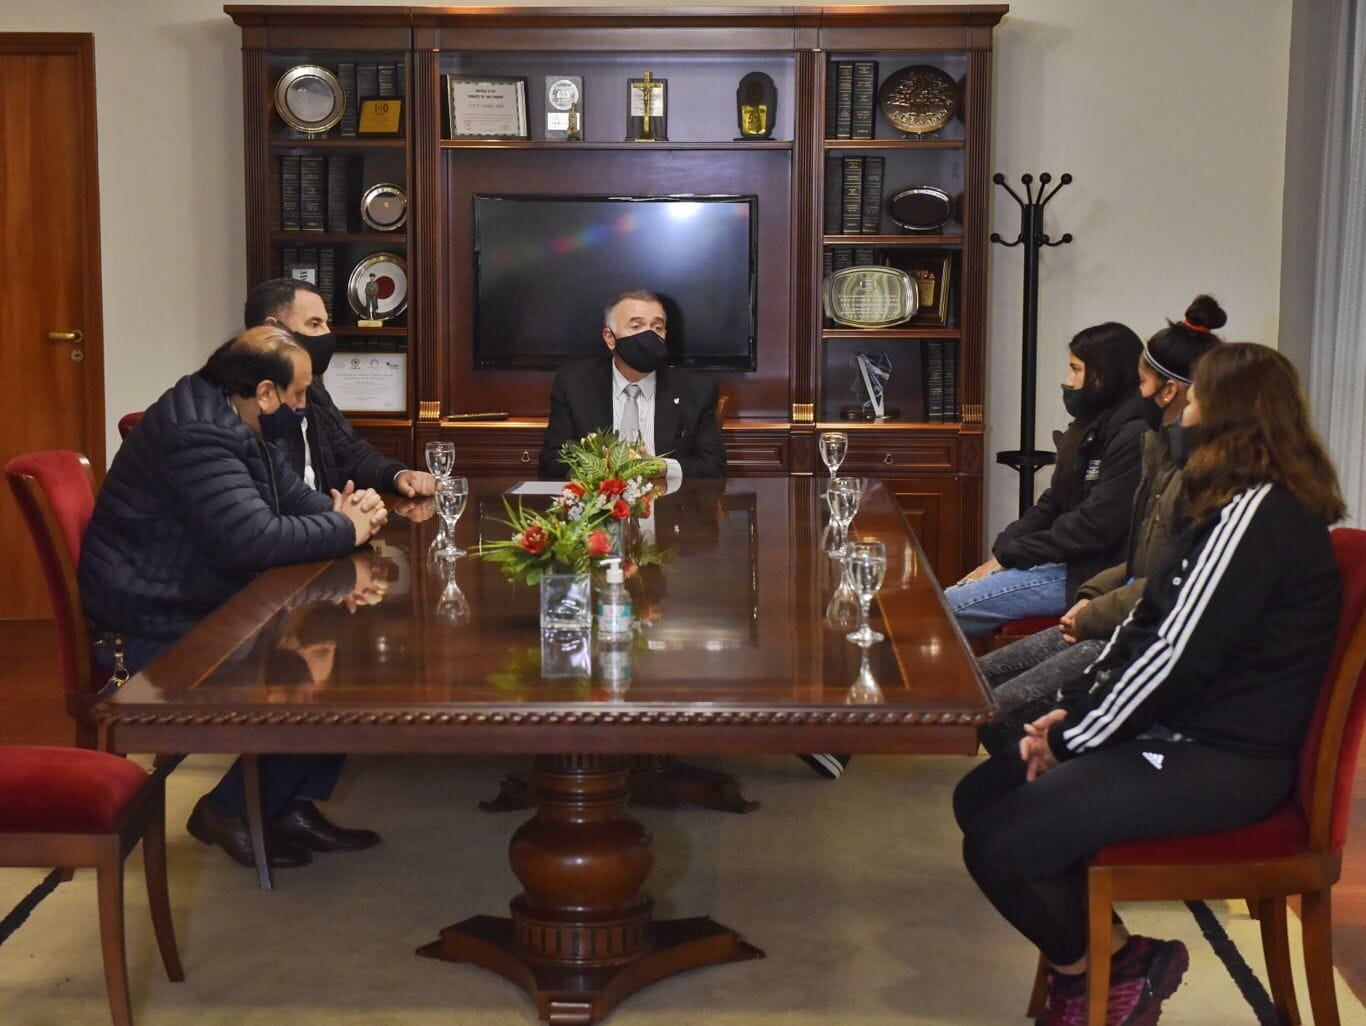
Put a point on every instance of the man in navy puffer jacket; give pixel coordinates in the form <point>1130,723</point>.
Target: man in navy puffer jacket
<point>194,505</point>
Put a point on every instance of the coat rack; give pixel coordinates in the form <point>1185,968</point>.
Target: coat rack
<point>1026,459</point>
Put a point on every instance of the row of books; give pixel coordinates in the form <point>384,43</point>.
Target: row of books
<point>315,194</point>
<point>940,370</point>
<point>853,195</point>
<point>316,265</point>
<point>850,92</point>
<point>363,81</point>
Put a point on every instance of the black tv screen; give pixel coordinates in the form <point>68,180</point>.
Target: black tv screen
<point>546,266</point>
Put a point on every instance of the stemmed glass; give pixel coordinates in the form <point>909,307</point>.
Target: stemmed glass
<point>864,690</point>
<point>441,459</point>
<point>451,496</point>
<point>834,444</point>
<point>866,564</point>
<point>453,607</point>
<point>843,498</point>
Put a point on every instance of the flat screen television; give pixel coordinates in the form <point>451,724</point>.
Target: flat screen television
<point>545,266</point>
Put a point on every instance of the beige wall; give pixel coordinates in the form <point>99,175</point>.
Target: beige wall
<point>1170,114</point>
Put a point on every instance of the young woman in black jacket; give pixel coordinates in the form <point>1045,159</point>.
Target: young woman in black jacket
<point>1080,524</point>
<point>1191,718</point>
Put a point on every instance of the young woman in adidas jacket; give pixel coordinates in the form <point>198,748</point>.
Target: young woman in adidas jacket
<point>1191,718</point>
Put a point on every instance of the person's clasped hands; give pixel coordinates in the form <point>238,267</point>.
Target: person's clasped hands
<point>365,509</point>
<point>1035,751</point>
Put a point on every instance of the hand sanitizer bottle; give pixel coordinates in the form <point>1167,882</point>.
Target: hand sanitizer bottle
<point>614,601</point>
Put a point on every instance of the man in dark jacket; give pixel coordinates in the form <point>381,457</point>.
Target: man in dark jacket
<point>325,450</point>
<point>631,392</point>
<point>194,505</point>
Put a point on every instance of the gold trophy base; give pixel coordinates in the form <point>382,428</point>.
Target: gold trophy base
<point>369,324</point>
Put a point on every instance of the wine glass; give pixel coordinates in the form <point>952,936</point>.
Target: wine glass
<point>440,459</point>
<point>843,498</point>
<point>864,690</point>
<point>453,607</point>
<point>866,564</point>
<point>451,496</point>
<point>834,444</point>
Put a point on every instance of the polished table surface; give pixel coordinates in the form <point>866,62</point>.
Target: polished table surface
<point>734,652</point>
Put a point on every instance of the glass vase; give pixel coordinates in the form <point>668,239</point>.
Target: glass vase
<point>566,602</point>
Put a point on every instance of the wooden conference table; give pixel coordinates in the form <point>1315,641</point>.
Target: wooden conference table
<point>735,655</point>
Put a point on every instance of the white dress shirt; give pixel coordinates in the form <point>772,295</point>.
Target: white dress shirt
<point>673,470</point>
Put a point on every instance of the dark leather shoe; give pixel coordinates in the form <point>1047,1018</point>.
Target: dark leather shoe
<point>230,833</point>
<point>303,824</point>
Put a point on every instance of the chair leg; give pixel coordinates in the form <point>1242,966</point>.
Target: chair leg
<point>1100,932</point>
<point>65,874</point>
<point>251,783</point>
<point>110,886</point>
<point>1254,908</point>
<point>158,897</point>
<point>1276,947</point>
<point>1317,910</point>
<point>1039,994</point>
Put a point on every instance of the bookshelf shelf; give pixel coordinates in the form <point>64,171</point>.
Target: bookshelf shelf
<point>291,238</point>
<point>836,334</point>
<point>894,144</point>
<point>348,330</point>
<point>892,240</point>
<point>550,144</point>
<point>347,143</point>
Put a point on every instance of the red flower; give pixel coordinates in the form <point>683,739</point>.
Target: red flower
<point>573,490</point>
<point>598,544</point>
<point>612,486</point>
<point>533,539</point>
<point>646,501</point>
<point>629,568</point>
<point>620,510</point>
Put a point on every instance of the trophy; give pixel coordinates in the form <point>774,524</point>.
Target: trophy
<point>371,318</point>
<point>869,296</point>
<point>872,372</point>
<point>645,109</point>
<point>756,105</point>
<point>563,107</point>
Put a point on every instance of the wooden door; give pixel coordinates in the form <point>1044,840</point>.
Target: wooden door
<point>49,276</point>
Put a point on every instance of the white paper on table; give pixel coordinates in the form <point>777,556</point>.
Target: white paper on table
<point>537,488</point>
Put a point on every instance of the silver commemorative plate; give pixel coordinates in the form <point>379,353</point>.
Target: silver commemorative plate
<point>384,207</point>
<point>921,208</point>
<point>389,273</point>
<point>309,99</point>
<point>869,297</point>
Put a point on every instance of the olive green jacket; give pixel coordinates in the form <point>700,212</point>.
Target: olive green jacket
<point>1158,517</point>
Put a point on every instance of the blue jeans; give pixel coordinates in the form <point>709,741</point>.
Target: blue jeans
<point>982,606</point>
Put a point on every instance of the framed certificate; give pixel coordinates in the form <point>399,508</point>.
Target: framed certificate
<point>369,382</point>
<point>486,107</point>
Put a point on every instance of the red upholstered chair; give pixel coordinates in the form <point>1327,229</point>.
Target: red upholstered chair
<point>1298,850</point>
<point>127,422</point>
<point>68,808</point>
<point>1017,629</point>
<point>56,494</point>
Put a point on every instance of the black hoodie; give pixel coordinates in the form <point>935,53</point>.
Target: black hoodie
<point>1083,517</point>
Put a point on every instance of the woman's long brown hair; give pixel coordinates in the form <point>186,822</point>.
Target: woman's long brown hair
<point>1254,429</point>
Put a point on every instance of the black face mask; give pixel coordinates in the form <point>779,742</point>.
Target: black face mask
<point>1074,400</point>
<point>1152,411</point>
<point>320,349</point>
<point>644,351</point>
<point>284,422</point>
<point>1180,442</point>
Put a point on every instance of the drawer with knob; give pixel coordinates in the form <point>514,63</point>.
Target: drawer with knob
<point>889,457</point>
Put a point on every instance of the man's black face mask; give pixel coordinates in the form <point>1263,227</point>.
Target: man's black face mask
<point>644,351</point>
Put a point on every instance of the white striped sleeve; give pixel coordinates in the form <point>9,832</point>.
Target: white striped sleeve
<point>1153,665</point>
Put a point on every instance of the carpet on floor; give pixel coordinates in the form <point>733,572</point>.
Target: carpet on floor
<point>853,888</point>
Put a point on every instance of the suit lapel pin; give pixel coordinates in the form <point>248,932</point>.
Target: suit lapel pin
<point>675,400</point>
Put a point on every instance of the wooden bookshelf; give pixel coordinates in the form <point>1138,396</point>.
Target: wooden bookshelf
<point>774,413</point>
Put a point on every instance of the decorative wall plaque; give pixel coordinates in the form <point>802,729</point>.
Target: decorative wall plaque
<point>919,99</point>
<point>869,297</point>
<point>309,99</point>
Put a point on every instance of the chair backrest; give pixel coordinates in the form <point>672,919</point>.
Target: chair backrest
<point>127,422</point>
<point>56,494</point>
<point>1328,759</point>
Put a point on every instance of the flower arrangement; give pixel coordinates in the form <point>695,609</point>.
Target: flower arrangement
<point>607,478</point>
<point>547,543</point>
<point>610,482</point>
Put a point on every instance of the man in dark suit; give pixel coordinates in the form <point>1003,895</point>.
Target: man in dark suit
<point>323,448</point>
<point>631,392</point>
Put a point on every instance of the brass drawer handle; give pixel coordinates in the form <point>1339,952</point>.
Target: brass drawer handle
<point>887,459</point>
<point>526,456</point>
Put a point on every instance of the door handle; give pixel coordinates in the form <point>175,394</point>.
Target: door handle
<point>65,336</point>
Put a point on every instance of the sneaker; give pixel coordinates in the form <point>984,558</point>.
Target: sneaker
<point>829,766</point>
<point>1144,973</point>
<point>1066,1001</point>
